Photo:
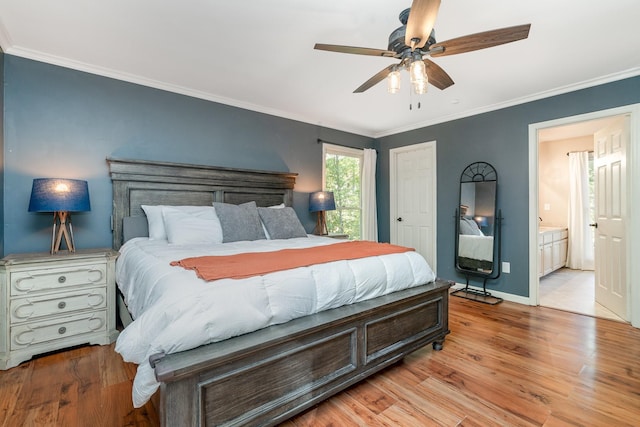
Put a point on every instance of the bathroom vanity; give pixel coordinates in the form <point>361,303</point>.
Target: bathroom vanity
<point>552,249</point>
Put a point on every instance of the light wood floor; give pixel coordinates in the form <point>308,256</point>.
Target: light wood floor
<point>509,364</point>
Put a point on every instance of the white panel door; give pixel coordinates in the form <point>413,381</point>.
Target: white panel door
<point>610,234</point>
<point>413,196</point>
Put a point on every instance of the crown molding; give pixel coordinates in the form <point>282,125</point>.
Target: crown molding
<point>5,44</point>
<point>156,84</point>
<point>5,38</point>
<point>633,72</point>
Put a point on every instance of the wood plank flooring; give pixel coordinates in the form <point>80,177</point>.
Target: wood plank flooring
<point>504,365</point>
<point>84,386</point>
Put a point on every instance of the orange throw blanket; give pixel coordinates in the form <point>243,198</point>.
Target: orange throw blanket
<point>258,263</point>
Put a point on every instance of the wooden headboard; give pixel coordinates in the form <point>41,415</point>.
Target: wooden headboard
<point>142,182</point>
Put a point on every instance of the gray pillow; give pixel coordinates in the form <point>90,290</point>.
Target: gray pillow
<point>469,226</point>
<point>239,222</point>
<point>281,223</point>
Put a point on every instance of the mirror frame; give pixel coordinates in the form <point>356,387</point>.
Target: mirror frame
<point>478,172</point>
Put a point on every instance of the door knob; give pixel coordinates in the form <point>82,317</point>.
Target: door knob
<point>399,219</point>
<point>595,224</point>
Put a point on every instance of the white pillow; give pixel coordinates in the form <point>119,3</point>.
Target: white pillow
<point>191,228</point>
<point>155,220</point>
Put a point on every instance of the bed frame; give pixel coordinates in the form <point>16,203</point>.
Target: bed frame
<point>267,376</point>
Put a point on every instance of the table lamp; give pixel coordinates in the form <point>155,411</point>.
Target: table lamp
<point>60,196</point>
<point>321,201</point>
<point>482,221</point>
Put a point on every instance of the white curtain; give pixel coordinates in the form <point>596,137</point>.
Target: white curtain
<point>580,254</point>
<point>369,208</point>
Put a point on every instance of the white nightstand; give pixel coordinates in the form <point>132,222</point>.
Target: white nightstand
<point>49,302</point>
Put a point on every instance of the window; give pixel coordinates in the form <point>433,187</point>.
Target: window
<point>342,170</point>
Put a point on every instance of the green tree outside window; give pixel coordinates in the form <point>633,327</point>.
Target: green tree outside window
<point>342,176</point>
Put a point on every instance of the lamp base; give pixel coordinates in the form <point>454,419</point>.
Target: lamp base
<point>62,221</point>
<point>321,225</point>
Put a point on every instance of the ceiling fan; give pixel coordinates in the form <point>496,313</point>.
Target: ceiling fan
<point>415,40</point>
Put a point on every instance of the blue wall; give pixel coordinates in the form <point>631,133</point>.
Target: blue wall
<point>65,123</point>
<point>500,138</point>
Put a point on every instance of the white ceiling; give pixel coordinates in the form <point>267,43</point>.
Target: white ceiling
<point>259,54</point>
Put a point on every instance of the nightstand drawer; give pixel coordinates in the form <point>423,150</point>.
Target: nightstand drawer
<point>30,308</point>
<point>33,333</point>
<point>34,280</point>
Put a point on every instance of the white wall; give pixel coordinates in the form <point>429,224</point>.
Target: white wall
<point>553,174</point>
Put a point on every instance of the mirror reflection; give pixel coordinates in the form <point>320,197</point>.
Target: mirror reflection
<point>476,228</point>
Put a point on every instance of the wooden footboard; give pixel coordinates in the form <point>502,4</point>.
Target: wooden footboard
<point>267,376</point>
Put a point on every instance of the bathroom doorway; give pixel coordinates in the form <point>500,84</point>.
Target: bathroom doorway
<point>570,289</point>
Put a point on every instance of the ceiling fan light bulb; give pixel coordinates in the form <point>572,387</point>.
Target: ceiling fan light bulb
<point>393,82</point>
<point>417,71</point>
<point>420,88</point>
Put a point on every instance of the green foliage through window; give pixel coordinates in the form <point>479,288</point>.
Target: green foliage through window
<point>342,176</point>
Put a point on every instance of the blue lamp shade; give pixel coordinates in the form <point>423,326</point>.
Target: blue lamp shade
<point>482,221</point>
<point>59,195</point>
<point>321,201</point>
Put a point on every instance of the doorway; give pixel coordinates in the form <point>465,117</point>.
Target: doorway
<point>566,242</point>
<point>412,193</point>
<point>630,190</point>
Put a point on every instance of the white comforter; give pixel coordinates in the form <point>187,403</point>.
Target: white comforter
<point>476,247</point>
<point>166,301</point>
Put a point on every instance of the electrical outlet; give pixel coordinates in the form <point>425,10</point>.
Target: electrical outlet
<point>547,207</point>
<point>506,267</point>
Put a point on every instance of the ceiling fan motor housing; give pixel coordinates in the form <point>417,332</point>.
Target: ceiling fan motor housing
<point>396,38</point>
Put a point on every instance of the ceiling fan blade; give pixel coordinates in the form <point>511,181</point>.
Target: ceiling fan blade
<point>380,76</point>
<point>481,40</point>
<point>437,76</point>
<point>422,17</point>
<point>354,50</point>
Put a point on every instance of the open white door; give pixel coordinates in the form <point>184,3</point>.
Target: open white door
<point>611,223</point>
<point>413,198</point>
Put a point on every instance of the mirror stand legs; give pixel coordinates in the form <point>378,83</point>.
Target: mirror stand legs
<point>483,295</point>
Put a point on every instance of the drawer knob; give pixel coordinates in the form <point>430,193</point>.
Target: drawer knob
<point>62,304</point>
<point>62,330</point>
<point>62,279</point>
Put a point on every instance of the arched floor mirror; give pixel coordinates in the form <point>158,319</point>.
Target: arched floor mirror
<point>478,226</point>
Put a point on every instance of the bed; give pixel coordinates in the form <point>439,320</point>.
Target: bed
<point>265,376</point>
<point>475,252</point>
